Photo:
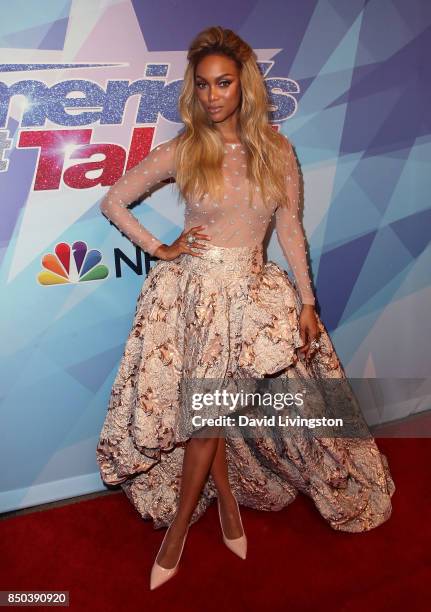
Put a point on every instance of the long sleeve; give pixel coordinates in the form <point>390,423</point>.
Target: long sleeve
<point>155,167</point>
<point>290,232</point>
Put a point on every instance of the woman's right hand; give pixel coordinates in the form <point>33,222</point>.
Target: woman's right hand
<point>169,252</point>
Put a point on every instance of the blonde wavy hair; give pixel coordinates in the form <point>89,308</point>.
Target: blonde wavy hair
<point>199,151</point>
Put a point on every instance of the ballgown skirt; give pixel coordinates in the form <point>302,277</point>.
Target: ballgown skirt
<point>229,314</point>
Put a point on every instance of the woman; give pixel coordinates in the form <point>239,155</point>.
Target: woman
<point>212,308</point>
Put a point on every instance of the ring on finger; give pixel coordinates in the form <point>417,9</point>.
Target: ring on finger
<point>191,239</point>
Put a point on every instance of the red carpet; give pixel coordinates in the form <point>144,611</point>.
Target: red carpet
<point>101,551</point>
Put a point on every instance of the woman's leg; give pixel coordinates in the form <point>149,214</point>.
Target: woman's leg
<point>228,508</point>
<point>198,457</point>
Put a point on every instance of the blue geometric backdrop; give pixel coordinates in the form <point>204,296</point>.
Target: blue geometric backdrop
<point>360,125</point>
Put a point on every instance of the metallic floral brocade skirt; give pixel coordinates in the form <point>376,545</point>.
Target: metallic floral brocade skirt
<point>229,314</point>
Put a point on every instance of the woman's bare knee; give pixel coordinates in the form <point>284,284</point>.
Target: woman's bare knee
<point>202,442</point>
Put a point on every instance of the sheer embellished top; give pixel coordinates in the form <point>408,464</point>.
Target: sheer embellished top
<point>231,221</point>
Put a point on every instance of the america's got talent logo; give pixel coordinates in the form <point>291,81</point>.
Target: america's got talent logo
<point>72,264</point>
<point>75,103</point>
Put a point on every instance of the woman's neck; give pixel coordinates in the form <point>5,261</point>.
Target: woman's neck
<point>231,140</point>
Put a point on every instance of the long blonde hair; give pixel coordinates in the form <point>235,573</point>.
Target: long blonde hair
<point>199,151</point>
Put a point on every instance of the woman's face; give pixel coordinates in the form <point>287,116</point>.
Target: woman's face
<point>218,86</point>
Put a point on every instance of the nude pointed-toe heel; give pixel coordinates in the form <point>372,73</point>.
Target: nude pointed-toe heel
<point>159,574</point>
<point>236,545</point>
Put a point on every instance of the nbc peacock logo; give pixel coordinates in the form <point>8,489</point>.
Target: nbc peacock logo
<point>72,264</point>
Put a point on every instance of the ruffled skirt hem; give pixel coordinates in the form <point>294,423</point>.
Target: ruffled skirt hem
<point>229,314</point>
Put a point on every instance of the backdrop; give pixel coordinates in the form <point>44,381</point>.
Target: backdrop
<point>87,88</point>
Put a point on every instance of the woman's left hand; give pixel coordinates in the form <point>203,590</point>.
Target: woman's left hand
<point>308,329</point>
